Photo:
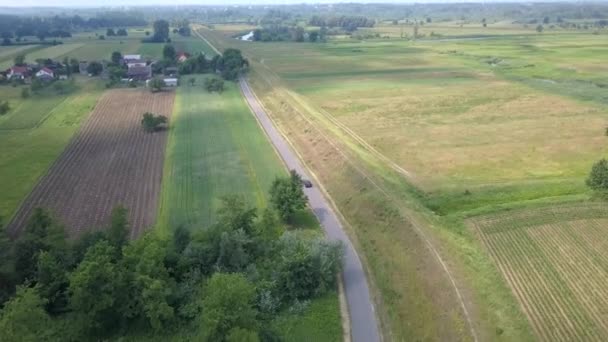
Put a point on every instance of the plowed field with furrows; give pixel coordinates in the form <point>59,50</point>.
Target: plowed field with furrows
<point>110,162</point>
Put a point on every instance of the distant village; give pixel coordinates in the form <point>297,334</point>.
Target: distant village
<point>126,69</point>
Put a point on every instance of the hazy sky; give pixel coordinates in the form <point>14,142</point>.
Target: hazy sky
<point>105,3</point>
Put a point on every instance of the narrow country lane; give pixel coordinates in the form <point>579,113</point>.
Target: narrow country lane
<point>363,322</point>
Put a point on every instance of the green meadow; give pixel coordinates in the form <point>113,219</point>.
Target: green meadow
<point>430,132</point>
<point>34,133</point>
<point>215,149</point>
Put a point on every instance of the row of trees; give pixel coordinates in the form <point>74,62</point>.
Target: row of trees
<point>226,282</point>
<point>276,33</point>
<point>120,32</point>
<point>349,23</point>
<point>12,26</point>
<point>231,64</point>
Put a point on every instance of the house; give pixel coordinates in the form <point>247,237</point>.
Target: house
<point>45,74</point>
<point>170,82</point>
<point>82,67</point>
<point>128,58</point>
<point>139,73</point>
<point>182,57</point>
<point>17,72</point>
<point>135,62</point>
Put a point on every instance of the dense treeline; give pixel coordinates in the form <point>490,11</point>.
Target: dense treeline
<point>12,26</point>
<point>222,283</point>
<point>279,33</point>
<point>349,23</point>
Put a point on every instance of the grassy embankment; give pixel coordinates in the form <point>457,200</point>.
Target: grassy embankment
<point>478,127</point>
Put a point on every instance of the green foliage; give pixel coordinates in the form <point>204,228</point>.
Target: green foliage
<point>52,281</point>
<point>157,84</point>
<point>95,287</point>
<point>151,122</point>
<point>307,269</point>
<point>287,196</point>
<point>214,84</point>
<point>161,31</point>
<point>110,32</point>
<point>231,64</point>
<point>4,107</point>
<point>169,52</point>
<point>116,57</point>
<point>118,232</point>
<point>94,68</point>
<point>24,319</point>
<point>42,233</point>
<point>25,93</point>
<point>598,177</point>
<point>228,305</point>
<point>195,65</point>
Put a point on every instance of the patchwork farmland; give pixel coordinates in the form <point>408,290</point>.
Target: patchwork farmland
<point>110,162</point>
<point>554,259</point>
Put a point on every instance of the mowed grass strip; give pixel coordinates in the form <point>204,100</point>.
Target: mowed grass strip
<point>556,269</point>
<point>216,148</point>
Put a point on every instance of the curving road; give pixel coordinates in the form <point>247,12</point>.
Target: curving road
<point>363,322</point>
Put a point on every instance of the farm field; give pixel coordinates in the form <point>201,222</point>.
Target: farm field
<point>110,162</point>
<point>554,260</point>
<point>215,149</point>
<point>28,152</point>
<point>427,133</point>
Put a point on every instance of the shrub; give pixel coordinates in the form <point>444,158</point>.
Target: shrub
<point>598,177</point>
<point>4,107</point>
<point>214,84</point>
<point>151,122</point>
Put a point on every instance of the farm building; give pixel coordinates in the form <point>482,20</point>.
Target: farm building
<point>139,73</point>
<point>182,57</point>
<point>169,82</point>
<point>17,72</point>
<point>45,74</point>
<point>131,58</point>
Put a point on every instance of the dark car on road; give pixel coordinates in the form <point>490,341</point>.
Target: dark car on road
<point>307,183</point>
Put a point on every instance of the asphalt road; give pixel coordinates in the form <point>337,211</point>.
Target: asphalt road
<point>363,322</point>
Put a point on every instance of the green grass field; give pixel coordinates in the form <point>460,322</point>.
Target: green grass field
<point>44,128</point>
<point>215,149</point>
<point>426,133</point>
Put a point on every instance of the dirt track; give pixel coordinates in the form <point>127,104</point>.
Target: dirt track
<point>111,161</point>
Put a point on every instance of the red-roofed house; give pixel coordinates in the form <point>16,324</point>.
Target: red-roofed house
<point>45,74</point>
<point>18,72</point>
<point>182,57</point>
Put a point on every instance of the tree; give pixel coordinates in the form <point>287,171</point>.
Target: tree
<point>110,32</point>
<point>94,68</point>
<point>101,37</point>
<point>25,93</point>
<point>539,28</point>
<point>157,84</point>
<point>19,60</point>
<point>287,196</point>
<point>5,107</point>
<point>598,177</point>
<point>42,233</point>
<point>116,57</point>
<point>228,304</point>
<point>169,52</point>
<point>95,287</point>
<point>546,20</point>
<point>161,31</point>
<point>242,335</point>
<point>192,80</point>
<point>214,84</point>
<point>121,32</point>
<point>24,319</point>
<point>231,64</point>
<point>118,233</point>
<point>74,65</point>
<point>52,282</point>
<point>151,122</point>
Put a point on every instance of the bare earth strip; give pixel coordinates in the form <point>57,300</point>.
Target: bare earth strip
<point>557,269</point>
<point>110,162</point>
